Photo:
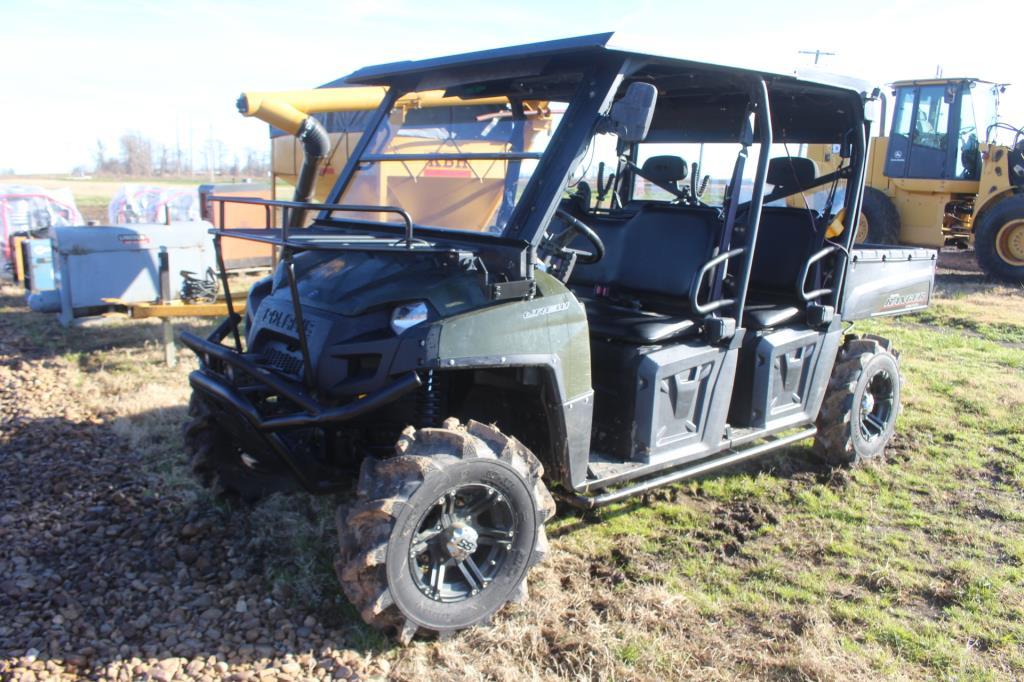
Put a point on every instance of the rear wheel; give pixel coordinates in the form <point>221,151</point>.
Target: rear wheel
<point>442,535</point>
<point>999,240</point>
<point>879,220</point>
<point>220,464</point>
<point>858,416</point>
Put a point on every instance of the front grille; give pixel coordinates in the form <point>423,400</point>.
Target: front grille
<point>284,362</point>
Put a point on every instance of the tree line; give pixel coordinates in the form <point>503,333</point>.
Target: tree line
<point>138,155</point>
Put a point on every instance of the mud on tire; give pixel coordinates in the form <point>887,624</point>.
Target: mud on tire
<point>858,415</point>
<point>882,218</point>
<point>449,478</point>
<point>217,462</point>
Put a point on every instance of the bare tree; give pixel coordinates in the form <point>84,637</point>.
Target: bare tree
<point>136,154</point>
<point>164,163</point>
<point>210,156</point>
<point>256,163</point>
<point>140,156</point>
<point>100,156</point>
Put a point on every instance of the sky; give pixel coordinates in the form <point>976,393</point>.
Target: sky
<point>80,71</point>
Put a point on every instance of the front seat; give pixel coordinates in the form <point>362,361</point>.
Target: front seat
<point>632,325</point>
<point>664,171</point>
<point>791,173</point>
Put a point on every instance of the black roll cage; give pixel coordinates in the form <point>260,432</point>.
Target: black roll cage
<point>531,215</point>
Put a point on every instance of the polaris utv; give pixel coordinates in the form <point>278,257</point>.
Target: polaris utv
<point>559,266</point>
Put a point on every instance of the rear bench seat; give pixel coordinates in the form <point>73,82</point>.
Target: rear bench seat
<point>785,240</point>
<point>650,260</point>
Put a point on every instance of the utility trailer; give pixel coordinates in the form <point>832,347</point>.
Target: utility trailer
<point>446,374</point>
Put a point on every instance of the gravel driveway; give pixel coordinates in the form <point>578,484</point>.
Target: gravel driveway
<point>103,574</point>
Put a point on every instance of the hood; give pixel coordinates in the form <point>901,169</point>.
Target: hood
<point>353,283</point>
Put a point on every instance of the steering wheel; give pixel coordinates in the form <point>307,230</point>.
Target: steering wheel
<point>560,243</point>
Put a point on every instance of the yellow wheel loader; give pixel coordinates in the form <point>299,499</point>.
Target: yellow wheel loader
<point>939,179</point>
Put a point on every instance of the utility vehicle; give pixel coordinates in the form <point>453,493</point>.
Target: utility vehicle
<point>591,323</point>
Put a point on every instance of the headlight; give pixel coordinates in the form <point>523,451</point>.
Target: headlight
<point>408,315</point>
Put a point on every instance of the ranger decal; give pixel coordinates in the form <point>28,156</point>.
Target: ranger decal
<point>546,310</point>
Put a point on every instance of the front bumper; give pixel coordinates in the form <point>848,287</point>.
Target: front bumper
<point>218,377</point>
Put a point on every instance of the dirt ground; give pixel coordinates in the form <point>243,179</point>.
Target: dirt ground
<point>115,565</point>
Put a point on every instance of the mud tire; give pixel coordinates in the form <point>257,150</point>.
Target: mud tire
<point>394,495</point>
<point>840,439</point>
<point>986,235</point>
<point>216,461</point>
<point>882,216</point>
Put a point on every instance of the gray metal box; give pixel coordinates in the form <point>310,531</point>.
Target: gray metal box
<point>101,267</point>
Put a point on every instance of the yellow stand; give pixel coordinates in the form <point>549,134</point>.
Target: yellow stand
<point>166,312</point>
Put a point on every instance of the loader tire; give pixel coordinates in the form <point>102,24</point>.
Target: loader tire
<point>858,415</point>
<point>217,463</point>
<point>999,240</point>
<point>440,536</point>
<point>879,219</point>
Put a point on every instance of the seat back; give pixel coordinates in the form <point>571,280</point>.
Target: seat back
<point>656,251</point>
<point>664,169</point>
<point>666,247</point>
<point>786,238</point>
<point>791,173</point>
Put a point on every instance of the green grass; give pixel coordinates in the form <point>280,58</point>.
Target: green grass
<point>917,561</point>
<point>949,317</point>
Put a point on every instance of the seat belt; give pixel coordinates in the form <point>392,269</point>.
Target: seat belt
<point>732,206</point>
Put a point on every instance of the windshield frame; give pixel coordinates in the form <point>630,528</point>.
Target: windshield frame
<point>592,96</point>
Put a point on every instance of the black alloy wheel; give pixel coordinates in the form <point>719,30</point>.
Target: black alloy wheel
<point>462,543</point>
<point>443,534</point>
<point>876,406</point>
<point>857,418</point>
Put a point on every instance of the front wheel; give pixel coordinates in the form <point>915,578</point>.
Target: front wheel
<point>442,535</point>
<point>999,240</point>
<point>858,415</point>
<point>220,464</point>
<point>879,220</point>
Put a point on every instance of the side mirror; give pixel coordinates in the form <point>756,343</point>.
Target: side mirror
<point>630,117</point>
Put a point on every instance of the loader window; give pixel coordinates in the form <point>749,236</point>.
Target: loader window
<point>932,122</point>
<point>924,112</point>
<point>968,155</point>
<point>904,112</point>
<point>985,98</point>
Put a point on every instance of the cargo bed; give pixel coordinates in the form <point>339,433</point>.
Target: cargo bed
<point>888,280</point>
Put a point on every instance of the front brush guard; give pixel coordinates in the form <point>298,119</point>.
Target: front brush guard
<point>221,388</point>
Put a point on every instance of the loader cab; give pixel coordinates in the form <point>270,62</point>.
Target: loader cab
<point>936,129</point>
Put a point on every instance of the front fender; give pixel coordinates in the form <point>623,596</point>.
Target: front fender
<point>548,332</point>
